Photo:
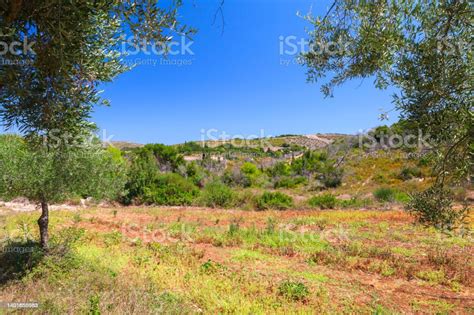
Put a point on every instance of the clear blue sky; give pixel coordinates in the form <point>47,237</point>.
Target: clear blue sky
<point>235,82</point>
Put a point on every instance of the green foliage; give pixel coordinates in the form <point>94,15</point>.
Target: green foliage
<point>379,132</point>
<point>332,177</point>
<point>141,174</point>
<point>249,169</point>
<point>45,175</point>
<point>196,173</point>
<point>60,85</point>
<point>116,154</point>
<point>326,201</point>
<point>16,264</point>
<point>167,157</point>
<point>146,183</point>
<point>426,160</point>
<point>432,276</point>
<point>280,169</point>
<point>433,72</point>
<point>216,194</point>
<point>190,147</point>
<point>385,194</point>
<point>51,89</point>
<point>293,290</point>
<point>402,197</point>
<point>252,176</point>
<point>245,200</point>
<point>291,182</point>
<point>94,305</point>
<point>276,200</point>
<point>310,163</point>
<point>169,189</point>
<point>209,267</point>
<point>434,207</point>
<point>354,202</point>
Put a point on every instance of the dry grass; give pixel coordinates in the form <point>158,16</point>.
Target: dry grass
<point>187,260</point>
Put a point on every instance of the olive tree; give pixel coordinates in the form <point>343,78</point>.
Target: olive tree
<point>45,176</point>
<point>68,48</point>
<point>50,83</point>
<point>423,49</point>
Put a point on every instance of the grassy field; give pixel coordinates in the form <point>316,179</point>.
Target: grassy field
<point>187,260</point>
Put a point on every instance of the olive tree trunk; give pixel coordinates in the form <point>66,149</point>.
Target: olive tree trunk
<point>43,222</point>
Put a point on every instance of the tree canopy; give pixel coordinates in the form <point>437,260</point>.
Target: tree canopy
<point>44,175</point>
<point>71,47</point>
<point>422,48</point>
<point>59,52</point>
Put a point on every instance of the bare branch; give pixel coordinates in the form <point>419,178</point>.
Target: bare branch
<point>220,12</point>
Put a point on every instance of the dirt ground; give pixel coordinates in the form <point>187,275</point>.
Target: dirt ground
<point>361,260</point>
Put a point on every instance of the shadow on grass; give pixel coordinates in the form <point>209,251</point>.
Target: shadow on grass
<point>17,258</point>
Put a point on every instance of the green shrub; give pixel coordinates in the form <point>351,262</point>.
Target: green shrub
<point>354,203</point>
<point>166,157</point>
<point>409,172</point>
<point>311,162</point>
<point>293,290</point>
<point>251,175</point>
<point>291,182</point>
<point>141,174</point>
<point>196,173</point>
<point>245,200</point>
<point>332,177</point>
<point>402,197</point>
<point>216,194</point>
<point>276,200</point>
<point>326,201</point>
<point>385,194</point>
<point>170,189</point>
<point>249,169</point>
<point>434,207</point>
<point>279,169</point>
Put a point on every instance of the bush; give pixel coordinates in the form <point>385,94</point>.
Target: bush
<point>354,202</point>
<point>311,162</point>
<point>290,182</point>
<point>295,291</point>
<point>249,169</point>
<point>170,189</point>
<point>216,194</point>
<point>326,201</point>
<point>332,177</point>
<point>434,207</point>
<point>409,172</point>
<point>275,200</point>
<point>279,169</point>
<point>141,174</point>
<point>251,176</point>
<point>196,173</point>
<point>245,200</point>
<point>385,194</point>
<point>166,157</point>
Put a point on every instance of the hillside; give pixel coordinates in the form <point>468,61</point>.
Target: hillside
<point>316,224</point>
<point>125,145</point>
<point>311,141</point>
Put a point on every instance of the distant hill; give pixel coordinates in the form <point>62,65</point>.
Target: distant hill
<point>124,145</point>
<point>310,141</point>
